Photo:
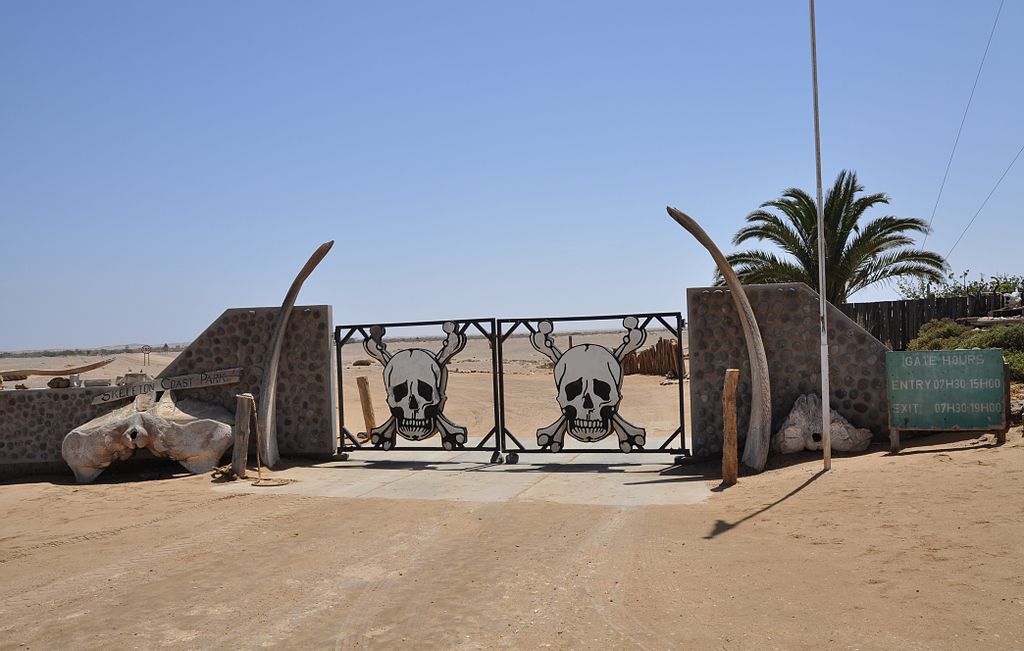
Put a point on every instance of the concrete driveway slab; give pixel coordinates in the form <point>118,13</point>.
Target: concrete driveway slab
<point>567,478</point>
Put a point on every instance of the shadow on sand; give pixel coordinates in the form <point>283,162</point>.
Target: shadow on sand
<point>721,526</point>
<point>926,444</point>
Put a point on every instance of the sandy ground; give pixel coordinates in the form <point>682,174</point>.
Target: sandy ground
<point>423,550</point>
<point>917,551</point>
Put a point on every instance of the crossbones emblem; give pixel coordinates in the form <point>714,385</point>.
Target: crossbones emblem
<point>589,381</point>
<point>416,381</point>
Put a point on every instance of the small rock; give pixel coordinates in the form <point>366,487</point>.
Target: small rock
<point>1016,411</point>
<point>59,383</point>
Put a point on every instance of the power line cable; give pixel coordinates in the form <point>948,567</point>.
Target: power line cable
<point>956,140</point>
<point>1005,172</point>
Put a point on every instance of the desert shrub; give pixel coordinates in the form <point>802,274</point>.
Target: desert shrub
<point>362,362</point>
<point>940,334</point>
<point>1010,337</point>
<point>945,334</point>
<point>1016,362</point>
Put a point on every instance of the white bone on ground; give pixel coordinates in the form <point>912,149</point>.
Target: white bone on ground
<point>804,422</point>
<point>194,433</point>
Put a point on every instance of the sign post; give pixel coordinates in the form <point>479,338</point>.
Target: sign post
<point>175,383</point>
<point>826,396</point>
<point>946,390</point>
<point>146,350</point>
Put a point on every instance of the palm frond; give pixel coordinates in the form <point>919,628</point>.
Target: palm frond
<point>856,255</point>
<point>758,267</point>
<point>915,263</point>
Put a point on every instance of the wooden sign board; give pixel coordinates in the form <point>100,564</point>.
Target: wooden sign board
<point>946,390</point>
<point>175,383</point>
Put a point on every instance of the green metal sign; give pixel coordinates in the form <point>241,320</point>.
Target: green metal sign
<point>938,390</point>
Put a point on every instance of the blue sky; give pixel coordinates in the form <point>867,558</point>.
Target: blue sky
<point>160,162</point>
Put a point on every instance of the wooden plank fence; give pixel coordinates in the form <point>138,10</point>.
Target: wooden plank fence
<point>659,359</point>
<point>896,323</point>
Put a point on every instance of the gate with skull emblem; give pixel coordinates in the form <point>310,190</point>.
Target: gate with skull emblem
<point>588,382</point>
<point>416,382</point>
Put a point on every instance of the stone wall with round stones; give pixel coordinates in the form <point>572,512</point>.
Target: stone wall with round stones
<point>33,423</point>
<point>307,423</point>
<point>787,315</point>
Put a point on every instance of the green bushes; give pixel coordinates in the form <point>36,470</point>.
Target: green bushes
<point>1016,362</point>
<point>940,334</point>
<point>945,334</point>
<point>1009,338</point>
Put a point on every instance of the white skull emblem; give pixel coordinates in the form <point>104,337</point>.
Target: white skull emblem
<point>416,380</point>
<point>589,380</point>
<point>416,392</point>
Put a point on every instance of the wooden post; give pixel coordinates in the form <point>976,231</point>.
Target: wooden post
<point>1001,434</point>
<point>364,401</point>
<point>243,417</point>
<point>730,446</point>
<point>894,440</point>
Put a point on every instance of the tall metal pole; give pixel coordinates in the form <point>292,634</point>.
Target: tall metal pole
<point>826,407</point>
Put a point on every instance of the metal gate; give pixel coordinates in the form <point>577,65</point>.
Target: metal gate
<point>588,378</point>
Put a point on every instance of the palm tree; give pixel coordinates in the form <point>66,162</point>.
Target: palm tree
<point>856,256</point>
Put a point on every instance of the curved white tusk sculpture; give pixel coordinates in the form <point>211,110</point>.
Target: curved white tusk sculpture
<point>268,393</point>
<point>759,432</point>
